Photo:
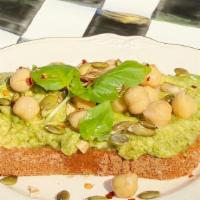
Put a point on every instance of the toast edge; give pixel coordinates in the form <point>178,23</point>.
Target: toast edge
<point>47,161</point>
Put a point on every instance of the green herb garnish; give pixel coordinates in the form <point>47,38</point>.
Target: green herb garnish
<point>53,77</point>
<point>98,122</point>
<point>129,73</point>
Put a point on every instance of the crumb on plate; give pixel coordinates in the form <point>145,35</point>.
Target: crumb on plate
<point>88,186</point>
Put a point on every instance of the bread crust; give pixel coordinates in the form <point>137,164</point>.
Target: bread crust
<point>47,161</point>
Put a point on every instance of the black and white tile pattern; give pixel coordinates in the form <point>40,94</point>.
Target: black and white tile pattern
<point>176,21</point>
<point>15,15</point>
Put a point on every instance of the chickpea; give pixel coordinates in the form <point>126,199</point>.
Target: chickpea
<point>184,105</point>
<point>119,105</point>
<point>136,99</point>
<point>18,81</point>
<point>82,103</point>
<point>75,117</point>
<point>26,108</point>
<point>125,186</point>
<point>153,79</point>
<point>152,93</point>
<point>158,112</point>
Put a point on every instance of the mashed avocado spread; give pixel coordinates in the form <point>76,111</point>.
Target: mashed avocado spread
<point>169,140</point>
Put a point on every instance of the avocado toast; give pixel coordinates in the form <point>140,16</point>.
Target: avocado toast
<point>130,118</point>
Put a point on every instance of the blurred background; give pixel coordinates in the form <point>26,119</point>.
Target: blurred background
<point>170,21</point>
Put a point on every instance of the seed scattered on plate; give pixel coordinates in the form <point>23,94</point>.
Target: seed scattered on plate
<point>9,180</point>
<point>32,189</point>
<point>63,195</point>
<point>88,186</point>
<point>149,195</point>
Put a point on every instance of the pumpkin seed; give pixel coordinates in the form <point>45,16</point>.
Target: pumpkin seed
<point>170,88</point>
<point>138,129</point>
<point>54,129</point>
<point>149,195</point>
<point>48,102</point>
<point>9,180</point>
<point>121,126</point>
<point>84,68</point>
<point>4,102</point>
<point>118,139</point>
<point>63,195</point>
<point>180,71</point>
<point>97,198</point>
<point>99,64</point>
<point>89,76</point>
<point>169,98</point>
<point>148,125</point>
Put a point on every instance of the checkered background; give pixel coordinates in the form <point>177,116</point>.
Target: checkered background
<point>170,21</point>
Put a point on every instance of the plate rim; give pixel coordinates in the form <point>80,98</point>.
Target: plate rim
<point>93,37</point>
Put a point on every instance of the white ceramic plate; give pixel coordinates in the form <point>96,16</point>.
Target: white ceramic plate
<point>101,47</point>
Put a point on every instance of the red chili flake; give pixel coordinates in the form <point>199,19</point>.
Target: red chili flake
<point>29,81</point>
<point>191,175</point>
<point>84,61</point>
<point>110,195</point>
<point>194,86</point>
<point>44,76</point>
<point>132,199</point>
<point>148,78</point>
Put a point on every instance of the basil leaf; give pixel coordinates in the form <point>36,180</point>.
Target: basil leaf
<point>76,86</point>
<point>129,73</point>
<point>97,123</point>
<point>56,77</point>
<point>102,93</point>
<point>53,77</point>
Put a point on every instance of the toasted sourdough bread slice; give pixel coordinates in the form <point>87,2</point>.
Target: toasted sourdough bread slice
<point>46,161</point>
